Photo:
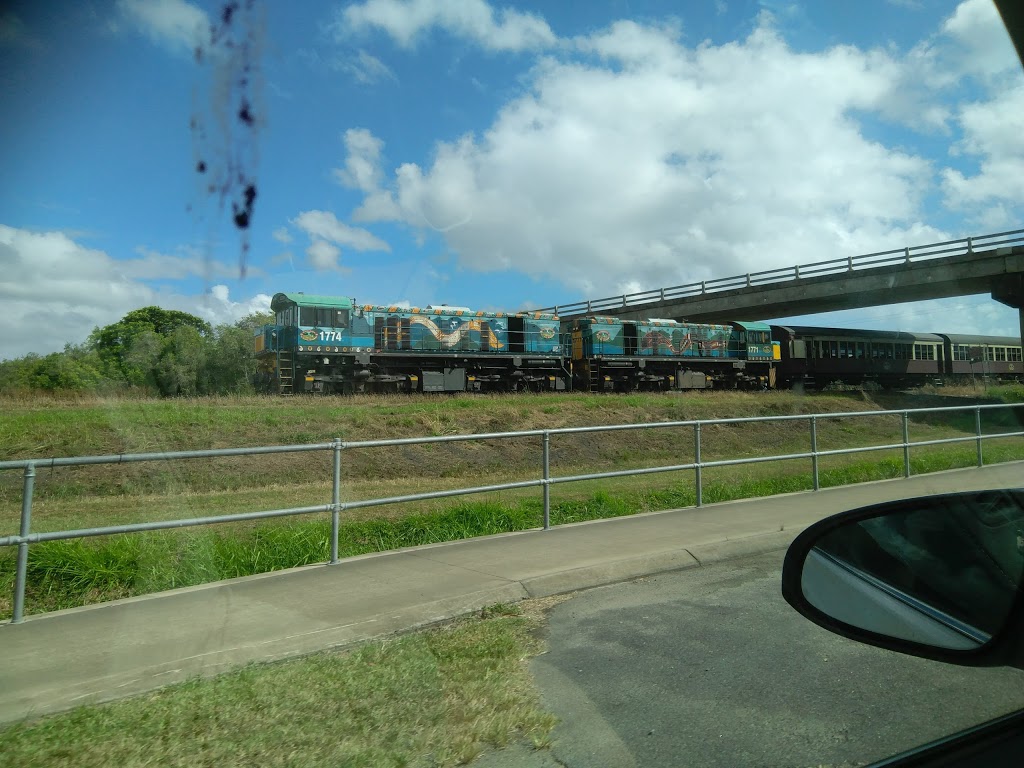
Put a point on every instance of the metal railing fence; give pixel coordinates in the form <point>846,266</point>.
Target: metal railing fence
<point>908,255</point>
<point>25,537</point>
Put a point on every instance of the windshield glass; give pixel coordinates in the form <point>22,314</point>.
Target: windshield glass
<point>238,223</point>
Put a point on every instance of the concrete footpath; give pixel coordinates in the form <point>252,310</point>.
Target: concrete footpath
<point>97,653</point>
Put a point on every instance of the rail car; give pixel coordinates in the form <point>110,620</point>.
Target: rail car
<point>816,357</point>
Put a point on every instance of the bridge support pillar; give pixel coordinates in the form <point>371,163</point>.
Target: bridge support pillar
<point>1010,291</point>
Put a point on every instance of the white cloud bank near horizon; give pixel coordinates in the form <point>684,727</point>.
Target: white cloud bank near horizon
<point>56,290</point>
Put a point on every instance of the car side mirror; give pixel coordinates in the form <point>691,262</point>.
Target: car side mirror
<point>938,577</point>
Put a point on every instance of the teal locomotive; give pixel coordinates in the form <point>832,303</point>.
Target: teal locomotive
<point>326,344</point>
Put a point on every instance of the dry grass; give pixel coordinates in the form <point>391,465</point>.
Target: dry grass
<point>436,698</point>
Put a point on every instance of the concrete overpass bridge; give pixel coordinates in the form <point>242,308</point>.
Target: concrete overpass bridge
<point>991,264</point>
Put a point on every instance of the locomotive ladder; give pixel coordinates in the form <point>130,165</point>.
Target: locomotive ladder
<point>285,372</point>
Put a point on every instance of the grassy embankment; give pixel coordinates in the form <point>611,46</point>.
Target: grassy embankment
<point>63,574</point>
<point>435,698</point>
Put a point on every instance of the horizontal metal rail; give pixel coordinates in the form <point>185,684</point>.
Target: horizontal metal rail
<point>908,255</point>
<point>26,537</point>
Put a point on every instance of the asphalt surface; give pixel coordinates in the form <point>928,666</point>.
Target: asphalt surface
<point>712,668</point>
<point>97,653</point>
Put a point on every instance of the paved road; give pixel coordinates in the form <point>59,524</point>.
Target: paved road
<point>710,667</point>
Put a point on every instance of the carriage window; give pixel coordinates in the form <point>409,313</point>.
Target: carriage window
<point>1013,354</point>
<point>989,354</point>
<point>1001,354</point>
<point>924,352</point>
<point>961,352</point>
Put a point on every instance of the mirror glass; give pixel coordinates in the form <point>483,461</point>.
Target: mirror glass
<point>942,571</point>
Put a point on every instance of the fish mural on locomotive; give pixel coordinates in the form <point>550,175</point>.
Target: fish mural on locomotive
<point>331,344</point>
<point>612,354</point>
<point>669,338</point>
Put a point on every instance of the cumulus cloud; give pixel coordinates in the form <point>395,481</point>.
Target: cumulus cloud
<point>323,256</point>
<point>647,164</point>
<point>56,290</point>
<point>406,21</point>
<point>362,165</point>
<point>980,44</point>
<point>991,135</point>
<point>176,24</point>
<point>634,160</point>
<point>324,225</point>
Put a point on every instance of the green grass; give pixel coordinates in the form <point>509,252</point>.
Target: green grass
<point>435,698</point>
<point>65,574</point>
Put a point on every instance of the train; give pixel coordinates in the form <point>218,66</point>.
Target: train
<point>331,344</point>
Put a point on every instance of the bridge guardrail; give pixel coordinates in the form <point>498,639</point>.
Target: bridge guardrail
<point>335,507</point>
<point>908,255</point>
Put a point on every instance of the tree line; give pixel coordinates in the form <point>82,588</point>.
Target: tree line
<point>150,350</point>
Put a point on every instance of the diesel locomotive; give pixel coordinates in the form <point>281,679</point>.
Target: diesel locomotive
<point>327,344</point>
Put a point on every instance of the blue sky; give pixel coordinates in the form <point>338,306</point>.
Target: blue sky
<point>486,155</point>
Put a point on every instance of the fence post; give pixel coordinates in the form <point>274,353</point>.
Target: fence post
<point>336,501</point>
<point>849,263</point>
<point>970,245</point>
<point>796,272</point>
<point>906,444</point>
<point>814,452</point>
<point>703,286</point>
<point>21,574</point>
<point>696,463</point>
<point>547,479</point>
<point>906,254</point>
<point>977,431</point>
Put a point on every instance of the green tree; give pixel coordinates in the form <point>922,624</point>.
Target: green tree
<point>116,343</point>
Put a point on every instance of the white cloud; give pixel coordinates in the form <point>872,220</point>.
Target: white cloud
<point>982,46</point>
<point>281,235</point>
<point>217,307</point>
<point>323,256</point>
<point>174,23</point>
<point>661,164</point>
<point>368,69</point>
<point>362,164</point>
<point>408,20</point>
<point>992,134</point>
<point>969,314</point>
<point>56,290</point>
<point>324,226</point>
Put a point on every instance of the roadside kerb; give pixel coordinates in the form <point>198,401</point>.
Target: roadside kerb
<point>56,661</point>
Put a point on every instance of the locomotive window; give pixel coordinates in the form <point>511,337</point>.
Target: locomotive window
<point>307,315</point>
